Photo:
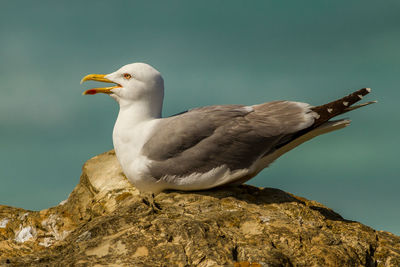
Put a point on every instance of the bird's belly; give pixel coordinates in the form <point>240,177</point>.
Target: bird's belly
<point>136,171</point>
<point>199,181</point>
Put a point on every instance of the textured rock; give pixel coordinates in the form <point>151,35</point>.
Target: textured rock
<point>105,221</point>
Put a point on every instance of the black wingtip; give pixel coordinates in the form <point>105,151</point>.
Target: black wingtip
<point>340,106</point>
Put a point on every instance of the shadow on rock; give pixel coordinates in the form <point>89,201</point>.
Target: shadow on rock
<point>259,196</point>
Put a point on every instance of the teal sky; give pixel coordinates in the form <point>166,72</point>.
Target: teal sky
<point>209,52</point>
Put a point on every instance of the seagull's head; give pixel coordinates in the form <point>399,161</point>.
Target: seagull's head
<point>136,82</point>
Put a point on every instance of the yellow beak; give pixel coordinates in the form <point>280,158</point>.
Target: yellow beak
<point>98,78</point>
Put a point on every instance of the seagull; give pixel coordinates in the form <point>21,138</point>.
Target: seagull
<point>205,147</point>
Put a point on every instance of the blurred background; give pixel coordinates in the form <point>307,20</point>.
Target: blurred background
<point>209,52</point>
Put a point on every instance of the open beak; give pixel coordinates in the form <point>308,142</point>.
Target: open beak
<point>98,78</point>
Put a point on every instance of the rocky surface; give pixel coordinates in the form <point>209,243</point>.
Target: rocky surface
<point>106,222</point>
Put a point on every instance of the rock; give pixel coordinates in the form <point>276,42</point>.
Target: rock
<point>105,221</point>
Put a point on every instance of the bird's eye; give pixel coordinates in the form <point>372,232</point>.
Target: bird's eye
<point>127,76</point>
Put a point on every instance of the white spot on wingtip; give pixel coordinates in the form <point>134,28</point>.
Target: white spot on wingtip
<point>368,90</point>
<point>360,96</point>
<point>345,103</point>
<point>330,110</point>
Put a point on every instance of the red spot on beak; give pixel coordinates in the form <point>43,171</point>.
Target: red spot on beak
<point>91,92</point>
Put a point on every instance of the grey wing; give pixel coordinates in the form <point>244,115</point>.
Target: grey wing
<point>233,135</point>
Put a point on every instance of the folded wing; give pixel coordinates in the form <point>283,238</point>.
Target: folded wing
<point>234,136</point>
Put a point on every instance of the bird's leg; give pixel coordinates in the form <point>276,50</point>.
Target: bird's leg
<point>148,199</point>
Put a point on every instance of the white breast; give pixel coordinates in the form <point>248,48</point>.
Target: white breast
<point>128,142</point>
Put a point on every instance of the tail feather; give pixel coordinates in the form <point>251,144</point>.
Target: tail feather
<point>322,125</point>
<point>340,106</point>
<point>359,106</point>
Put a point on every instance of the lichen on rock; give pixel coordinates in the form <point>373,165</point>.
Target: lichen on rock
<point>106,221</point>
